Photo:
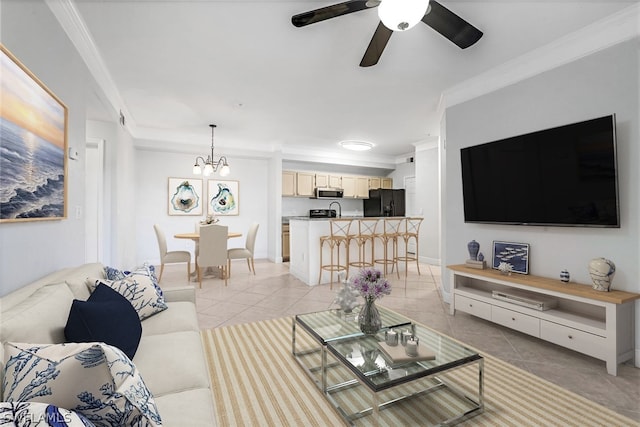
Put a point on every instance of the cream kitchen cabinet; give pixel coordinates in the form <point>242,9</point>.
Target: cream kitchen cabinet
<point>376,182</point>
<point>298,184</point>
<point>288,183</point>
<point>349,187</point>
<point>305,184</point>
<point>335,181</point>
<point>362,187</point>
<point>322,180</point>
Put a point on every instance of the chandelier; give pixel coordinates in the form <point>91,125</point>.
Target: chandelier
<point>210,164</point>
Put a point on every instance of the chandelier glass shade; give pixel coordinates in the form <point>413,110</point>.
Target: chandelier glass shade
<point>210,165</point>
<point>400,15</point>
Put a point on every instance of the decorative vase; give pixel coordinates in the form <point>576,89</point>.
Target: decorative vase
<point>564,276</point>
<point>473,248</point>
<point>602,271</point>
<point>369,317</point>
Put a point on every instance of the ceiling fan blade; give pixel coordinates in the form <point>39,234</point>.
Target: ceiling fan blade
<point>451,25</point>
<point>376,46</point>
<point>317,15</point>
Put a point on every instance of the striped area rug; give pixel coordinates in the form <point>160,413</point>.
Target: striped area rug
<point>257,382</point>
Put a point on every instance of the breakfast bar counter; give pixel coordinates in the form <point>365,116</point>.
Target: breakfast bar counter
<point>304,258</point>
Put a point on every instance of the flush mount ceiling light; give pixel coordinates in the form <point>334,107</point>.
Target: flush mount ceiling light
<point>210,164</point>
<point>356,145</point>
<point>400,15</point>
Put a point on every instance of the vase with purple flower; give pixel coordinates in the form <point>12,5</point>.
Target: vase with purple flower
<point>371,285</point>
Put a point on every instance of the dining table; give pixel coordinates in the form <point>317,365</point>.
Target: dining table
<point>196,238</point>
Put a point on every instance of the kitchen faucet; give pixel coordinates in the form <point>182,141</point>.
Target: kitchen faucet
<point>339,208</point>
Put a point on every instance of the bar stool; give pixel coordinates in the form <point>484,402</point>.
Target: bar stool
<point>409,231</point>
<point>366,231</point>
<point>388,235</point>
<point>339,237</point>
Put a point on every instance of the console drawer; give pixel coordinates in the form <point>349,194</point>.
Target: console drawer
<point>580,341</point>
<point>472,306</point>
<point>514,320</point>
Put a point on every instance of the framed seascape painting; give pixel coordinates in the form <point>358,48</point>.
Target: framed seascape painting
<point>185,196</point>
<point>514,257</point>
<point>33,146</point>
<point>223,198</point>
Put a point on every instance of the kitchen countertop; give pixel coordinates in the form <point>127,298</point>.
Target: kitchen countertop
<point>306,218</point>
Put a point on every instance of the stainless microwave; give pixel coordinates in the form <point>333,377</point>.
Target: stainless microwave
<point>329,193</point>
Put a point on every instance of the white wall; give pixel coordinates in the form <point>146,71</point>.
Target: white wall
<point>29,250</point>
<point>600,84</point>
<point>428,194</point>
<point>152,171</point>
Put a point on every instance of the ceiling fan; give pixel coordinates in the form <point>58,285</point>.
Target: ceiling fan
<point>438,17</point>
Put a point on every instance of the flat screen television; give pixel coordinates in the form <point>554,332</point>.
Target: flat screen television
<point>564,176</point>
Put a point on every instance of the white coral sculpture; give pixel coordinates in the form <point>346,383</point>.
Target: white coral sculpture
<point>505,267</point>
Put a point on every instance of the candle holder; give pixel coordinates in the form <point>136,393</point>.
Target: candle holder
<point>412,347</point>
<point>391,338</point>
<point>405,337</point>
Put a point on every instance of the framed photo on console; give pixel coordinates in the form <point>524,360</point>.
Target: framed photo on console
<point>515,254</point>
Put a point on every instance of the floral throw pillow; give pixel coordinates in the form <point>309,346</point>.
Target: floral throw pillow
<point>146,298</point>
<point>29,414</point>
<point>147,270</point>
<point>95,379</point>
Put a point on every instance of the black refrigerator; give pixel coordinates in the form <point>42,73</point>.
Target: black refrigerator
<point>384,202</point>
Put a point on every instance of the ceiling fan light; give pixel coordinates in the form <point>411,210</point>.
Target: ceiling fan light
<point>400,15</point>
<point>356,145</point>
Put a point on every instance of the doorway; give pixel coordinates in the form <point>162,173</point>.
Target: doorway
<point>411,210</point>
<point>94,200</point>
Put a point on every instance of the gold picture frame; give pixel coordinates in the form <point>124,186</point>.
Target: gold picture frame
<point>33,146</point>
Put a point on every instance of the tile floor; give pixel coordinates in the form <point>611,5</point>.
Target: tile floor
<point>273,293</point>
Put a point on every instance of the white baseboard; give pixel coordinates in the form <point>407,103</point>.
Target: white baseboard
<point>430,261</point>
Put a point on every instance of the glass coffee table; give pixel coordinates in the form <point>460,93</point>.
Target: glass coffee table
<point>360,380</point>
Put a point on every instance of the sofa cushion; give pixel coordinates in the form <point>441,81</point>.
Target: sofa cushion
<point>39,318</point>
<point>180,316</point>
<point>139,290</point>
<point>172,362</point>
<point>77,279</point>
<point>198,403</point>
<point>105,317</point>
<point>36,413</point>
<point>95,379</point>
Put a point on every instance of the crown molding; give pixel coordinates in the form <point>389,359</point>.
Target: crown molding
<point>71,21</point>
<point>609,31</point>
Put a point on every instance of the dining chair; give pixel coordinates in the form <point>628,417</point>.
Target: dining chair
<point>170,257</point>
<point>212,250</point>
<point>247,251</point>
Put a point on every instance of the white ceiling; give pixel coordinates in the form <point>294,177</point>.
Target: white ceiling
<point>178,65</point>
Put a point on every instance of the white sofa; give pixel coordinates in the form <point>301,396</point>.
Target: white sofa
<point>170,356</point>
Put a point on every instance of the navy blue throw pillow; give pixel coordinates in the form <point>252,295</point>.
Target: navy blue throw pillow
<point>105,317</point>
